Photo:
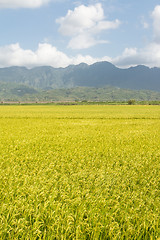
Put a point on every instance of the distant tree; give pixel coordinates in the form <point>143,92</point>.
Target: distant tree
<point>131,102</point>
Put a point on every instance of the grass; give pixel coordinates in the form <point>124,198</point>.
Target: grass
<point>79,172</point>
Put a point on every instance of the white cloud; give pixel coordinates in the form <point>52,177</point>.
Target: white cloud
<point>149,56</point>
<point>156,23</point>
<point>83,24</point>
<point>144,23</point>
<point>82,18</point>
<point>45,55</point>
<point>22,3</point>
<point>88,59</point>
<point>48,55</point>
<point>13,55</point>
<point>84,41</point>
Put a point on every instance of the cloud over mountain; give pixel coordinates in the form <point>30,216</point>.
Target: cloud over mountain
<point>45,55</point>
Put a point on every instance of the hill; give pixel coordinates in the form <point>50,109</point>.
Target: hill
<point>15,92</point>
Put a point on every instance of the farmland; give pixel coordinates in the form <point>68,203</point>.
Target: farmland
<point>79,172</point>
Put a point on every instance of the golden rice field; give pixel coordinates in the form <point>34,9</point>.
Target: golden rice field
<point>80,172</point>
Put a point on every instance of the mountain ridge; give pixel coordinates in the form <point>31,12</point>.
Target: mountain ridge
<point>98,75</point>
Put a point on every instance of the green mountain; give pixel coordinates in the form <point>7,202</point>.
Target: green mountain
<point>98,82</point>
<point>98,75</point>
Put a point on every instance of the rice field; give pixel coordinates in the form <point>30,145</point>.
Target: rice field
<point>80,172</point>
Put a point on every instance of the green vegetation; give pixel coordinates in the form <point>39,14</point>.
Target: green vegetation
<point>132,102</point>
<point>10,92</point>
<point>79,172</point>
<point>15,92</point>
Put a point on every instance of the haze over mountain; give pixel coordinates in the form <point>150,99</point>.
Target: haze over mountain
<point>100,74</point>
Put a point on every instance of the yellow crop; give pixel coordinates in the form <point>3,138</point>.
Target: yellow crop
<point>79,172</point>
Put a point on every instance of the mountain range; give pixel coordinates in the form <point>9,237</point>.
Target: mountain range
<point>19,81</point>
<point>99,74</point>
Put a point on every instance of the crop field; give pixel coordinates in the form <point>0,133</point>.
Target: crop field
<point>80,172</point>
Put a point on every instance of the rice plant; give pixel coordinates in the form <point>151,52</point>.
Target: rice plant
<point>79,172</point>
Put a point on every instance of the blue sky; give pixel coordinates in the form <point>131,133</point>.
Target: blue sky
<point>63,32</point>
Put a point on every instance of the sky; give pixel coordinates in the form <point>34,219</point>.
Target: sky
<point>59,33</point>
